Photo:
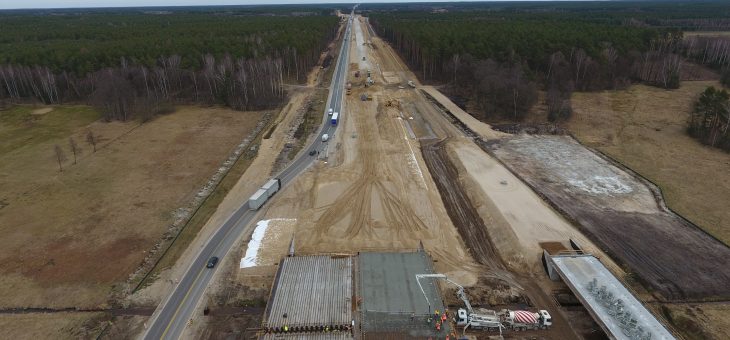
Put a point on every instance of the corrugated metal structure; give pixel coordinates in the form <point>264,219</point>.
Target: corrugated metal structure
<point>308,336</point>
<point>311,294</point>
<point>614,308</point>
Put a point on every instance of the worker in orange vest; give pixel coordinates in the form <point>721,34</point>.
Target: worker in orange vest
<point>438,326</point>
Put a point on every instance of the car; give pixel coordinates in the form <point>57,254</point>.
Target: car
<point>212,262</point>
<point>313,152</point>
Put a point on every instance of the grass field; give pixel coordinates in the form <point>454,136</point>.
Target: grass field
<point>46,325</point>
<point>70,237</point>
<point>707,33</point>
<point>644,128</point>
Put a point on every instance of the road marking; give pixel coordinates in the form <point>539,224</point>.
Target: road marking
<point>180,305</point>
<point>412,159</point>
<point>340,76</point>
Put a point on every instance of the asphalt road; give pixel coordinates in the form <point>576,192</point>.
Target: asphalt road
<point>173,315</point>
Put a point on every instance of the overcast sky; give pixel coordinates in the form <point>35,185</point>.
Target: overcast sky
<point>13,4</point>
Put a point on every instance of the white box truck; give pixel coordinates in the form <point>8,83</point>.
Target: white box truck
<point>272,186</point>
<point>258,199</point>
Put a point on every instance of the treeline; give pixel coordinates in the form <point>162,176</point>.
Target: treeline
<point>83,43</point>
<point>713,51</point>
<point>682,14</point>
<point>471,52</point>
<point>710,119</point>
<point>138,64</point>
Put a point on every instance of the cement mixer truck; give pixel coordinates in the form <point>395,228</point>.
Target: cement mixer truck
<point>490,320</point>
<point>523,320</point>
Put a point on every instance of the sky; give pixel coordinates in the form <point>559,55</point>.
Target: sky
<point>15,4</point>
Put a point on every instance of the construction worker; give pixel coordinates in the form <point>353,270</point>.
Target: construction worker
<point>286,328</point>
<point>438,326</point>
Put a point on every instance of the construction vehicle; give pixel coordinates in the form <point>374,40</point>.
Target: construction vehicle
<point>392,103</point>
<point>366,97</point>
<point>524,320</point>
<point>486,319</point>
<point>348,87</point>
<point>466,317</point>
<point>411,84</point>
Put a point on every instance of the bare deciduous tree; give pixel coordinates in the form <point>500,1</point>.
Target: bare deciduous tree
<point>74,147</point>
<point>60,156</point>
<point>92,139</point>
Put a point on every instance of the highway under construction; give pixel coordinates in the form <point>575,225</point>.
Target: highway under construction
<point>411,227</point>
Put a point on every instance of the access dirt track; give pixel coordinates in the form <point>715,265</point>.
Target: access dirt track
<point>623,214</point>
<point>460,209</point>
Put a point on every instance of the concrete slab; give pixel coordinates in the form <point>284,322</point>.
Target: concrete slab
<point>392,302</point>
<point>601,299</point>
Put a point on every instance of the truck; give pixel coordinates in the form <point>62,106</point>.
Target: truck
<point>272,186</point>
<point>482,319</point>
<point>264,193</point>
<point>325,137</point>
<point>335,118</point>
<point>490,320</point>
<point>524,320</point>
<point>257,199</point>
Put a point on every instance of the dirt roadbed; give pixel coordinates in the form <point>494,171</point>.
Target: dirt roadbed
<point>622,214</point>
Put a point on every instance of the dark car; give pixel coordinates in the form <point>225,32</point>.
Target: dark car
<point>313,152</point>
<point>212,262</point>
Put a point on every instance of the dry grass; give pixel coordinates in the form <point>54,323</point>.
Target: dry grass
<point>644,128</point>
<point>699,321</point>
<point>69,237</point>
<point>48,326</point>
<point>707,33</point>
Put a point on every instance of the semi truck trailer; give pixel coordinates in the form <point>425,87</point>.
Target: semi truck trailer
<point>264,193</point>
